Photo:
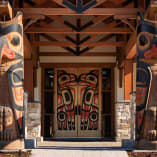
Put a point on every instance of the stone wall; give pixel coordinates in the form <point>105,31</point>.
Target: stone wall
<point>125,121</point>
<point>32,120</point>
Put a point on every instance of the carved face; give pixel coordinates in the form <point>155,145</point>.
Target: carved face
<point>142,89</point>
<point>11,41</point>
<point>146,40</point>
<point>11,57</point>
<point>146,51</point>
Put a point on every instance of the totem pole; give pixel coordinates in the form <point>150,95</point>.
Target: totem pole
<point>11,84</point>
<point>146,83</point>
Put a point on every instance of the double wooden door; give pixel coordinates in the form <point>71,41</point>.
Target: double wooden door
<point>77,102</point>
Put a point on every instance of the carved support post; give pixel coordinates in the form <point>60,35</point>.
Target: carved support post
<point>11,84</point>
<point>146,84</point>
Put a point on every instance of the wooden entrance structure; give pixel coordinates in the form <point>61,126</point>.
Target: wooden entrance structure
<point>78,28</point>
<point>103,104</point>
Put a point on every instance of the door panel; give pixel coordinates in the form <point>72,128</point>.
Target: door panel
<point>66,103</point>
<point>77,111</point>
<point>88,100</point>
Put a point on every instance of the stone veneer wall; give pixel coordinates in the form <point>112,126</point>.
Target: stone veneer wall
<point>32,120</point>
<point>125,121</point>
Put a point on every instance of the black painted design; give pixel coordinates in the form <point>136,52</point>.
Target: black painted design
<point>11,59</point>
<point>89,105</point>
<point>78,41</point>
<point>66,83</point>
<point>80,8</point>
<point>11,28</point>
<point>16,79</point>
<point>67,86</point>
<point>146,50</point>
<point>4,41</point>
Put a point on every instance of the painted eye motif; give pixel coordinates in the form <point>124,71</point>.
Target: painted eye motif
<point>15,41</point>
<point>142,77</point>
<point>143,40</point>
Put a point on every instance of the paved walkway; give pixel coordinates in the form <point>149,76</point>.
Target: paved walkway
<point>79,149</point>
<point>77,153</point>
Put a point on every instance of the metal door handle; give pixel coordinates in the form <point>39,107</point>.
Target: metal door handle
<point>75,110</point>
<point>79,110</point>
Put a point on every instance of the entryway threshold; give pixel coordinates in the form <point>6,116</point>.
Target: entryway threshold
<point>80,145</point>
<point>83,139</point>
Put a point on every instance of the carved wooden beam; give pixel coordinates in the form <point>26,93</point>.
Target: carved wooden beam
<point>91,11</point>
<point>54,30</point>
<point>130,48</point>
<point>71,54</point>
<point>88,44</point>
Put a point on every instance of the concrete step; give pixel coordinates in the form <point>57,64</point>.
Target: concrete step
<point>83,144</point>
<point>78,153</point>
<point>79,149</point>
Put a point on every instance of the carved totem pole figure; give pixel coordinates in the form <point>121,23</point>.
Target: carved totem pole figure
<point>11,84</point>
<point>146,84</point>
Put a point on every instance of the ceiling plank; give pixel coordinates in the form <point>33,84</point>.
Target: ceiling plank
<point>117,17</point>
<point>48,37</point>
<point>58,19</point>
<point>84,54</point>
<point>96,20</point>
<point>99,19</point>
<point>88,44</point>
<point>91,11</point>
<point>99,54</point>
<point>104,44</point>
<point>55,43</point>
<point>56,54</point>
<point>53,30</point>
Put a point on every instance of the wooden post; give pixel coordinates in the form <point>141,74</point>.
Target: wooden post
<point>128,79</point>
<point>120,77</point>
<point>28,82</point>
<point>11,80</point>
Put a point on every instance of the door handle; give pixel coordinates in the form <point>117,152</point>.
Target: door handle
<point>79,110</point>
<point>75,110</point>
